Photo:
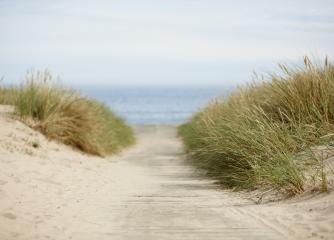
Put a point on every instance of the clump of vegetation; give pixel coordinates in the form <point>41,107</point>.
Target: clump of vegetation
<point>64,115</point>
<point>264,134</point>
<point>35,144</point>
<point>7,94</point>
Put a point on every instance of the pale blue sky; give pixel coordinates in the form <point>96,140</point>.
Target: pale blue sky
<point>160,42</point>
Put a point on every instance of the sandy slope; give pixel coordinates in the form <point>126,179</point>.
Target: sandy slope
<point>147,192</point>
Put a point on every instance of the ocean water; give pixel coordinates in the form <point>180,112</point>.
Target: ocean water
<point>155,105</point>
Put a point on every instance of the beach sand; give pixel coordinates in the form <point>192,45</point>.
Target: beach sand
<point>50,191</point>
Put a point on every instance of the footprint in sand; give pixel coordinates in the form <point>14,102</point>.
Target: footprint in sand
<point>3,182</point>
<point>10,216</point>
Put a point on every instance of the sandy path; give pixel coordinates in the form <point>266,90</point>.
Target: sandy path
<point>147,192</point>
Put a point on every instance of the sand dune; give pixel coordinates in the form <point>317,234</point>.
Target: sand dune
<point>50,191</point>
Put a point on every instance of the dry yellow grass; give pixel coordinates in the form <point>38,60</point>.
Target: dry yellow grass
<point>64,115</point>
<point>257,136</point>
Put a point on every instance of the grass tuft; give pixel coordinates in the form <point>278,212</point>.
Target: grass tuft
<point>7,94</point>
<point>64,115</point>
<point>263,134</point>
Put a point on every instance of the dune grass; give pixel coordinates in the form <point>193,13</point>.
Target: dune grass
<point>263,135</point>
<point>64,115</point>
<point>7,94</point>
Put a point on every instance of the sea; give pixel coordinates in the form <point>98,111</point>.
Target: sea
<point>155,105</point>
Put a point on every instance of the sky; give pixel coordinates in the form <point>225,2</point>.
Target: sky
<point>174,42</point>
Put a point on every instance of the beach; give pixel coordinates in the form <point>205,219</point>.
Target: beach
<point>166,120</point>
<point>148,191</point>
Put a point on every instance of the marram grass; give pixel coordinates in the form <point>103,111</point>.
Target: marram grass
<point>64,115</point>
<point>7,94</point>
<point>263,134</point>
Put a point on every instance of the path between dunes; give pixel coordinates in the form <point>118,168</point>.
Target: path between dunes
<point>147,192</point>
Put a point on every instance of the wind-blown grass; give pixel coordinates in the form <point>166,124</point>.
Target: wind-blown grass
<point>64,115</point>
<point>263,134</point>
<point>7,95</point>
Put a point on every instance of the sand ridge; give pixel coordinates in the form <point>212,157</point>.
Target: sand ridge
<point>50,191</point>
